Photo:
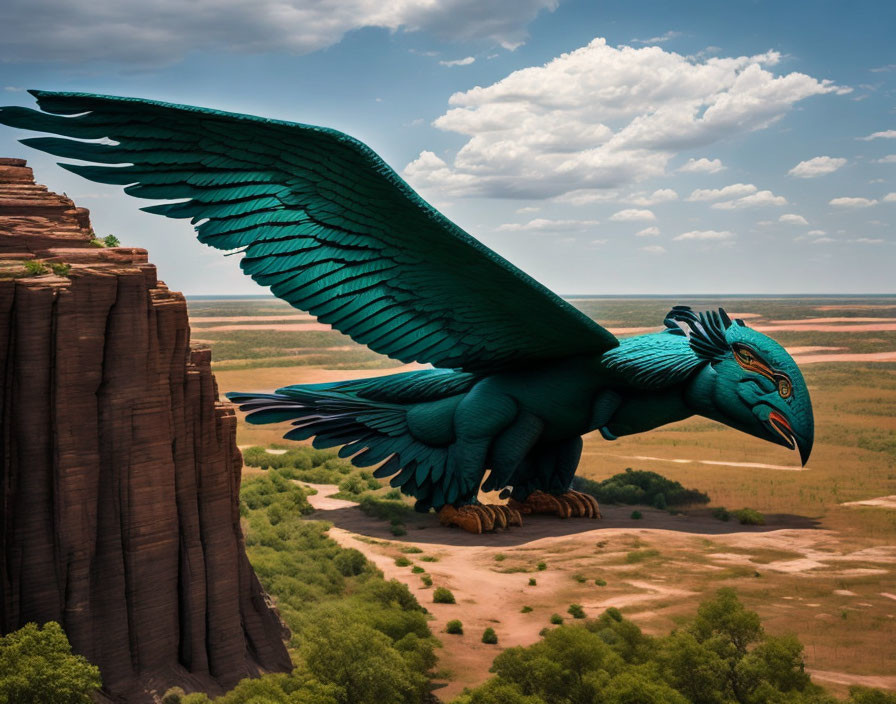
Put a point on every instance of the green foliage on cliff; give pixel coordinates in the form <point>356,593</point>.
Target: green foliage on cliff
<point>723,656</point>
<point>37,667</point>
<point>640,487</point>
<point>356,638</point>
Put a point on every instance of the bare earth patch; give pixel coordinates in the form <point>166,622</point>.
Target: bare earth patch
<point>882,502</point>
<point>716,463</point>
<point>655,570</point>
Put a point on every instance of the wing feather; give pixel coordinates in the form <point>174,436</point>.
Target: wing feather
<point>323,222</point>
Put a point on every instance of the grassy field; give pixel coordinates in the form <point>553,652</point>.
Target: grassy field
<point>819,568</point>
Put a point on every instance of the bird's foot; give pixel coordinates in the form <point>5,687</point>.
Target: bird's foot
<point>572,504</point>
<point>479,518</point>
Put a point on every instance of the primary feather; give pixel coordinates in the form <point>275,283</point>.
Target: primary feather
<point>324,223</point>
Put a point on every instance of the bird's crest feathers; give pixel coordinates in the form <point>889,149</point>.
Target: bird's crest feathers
<point>705,330</point>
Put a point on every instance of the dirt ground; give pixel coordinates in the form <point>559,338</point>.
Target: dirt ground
<point>656,570</point>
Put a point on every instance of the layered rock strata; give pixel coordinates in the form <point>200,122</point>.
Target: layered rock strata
<point>119,466</point>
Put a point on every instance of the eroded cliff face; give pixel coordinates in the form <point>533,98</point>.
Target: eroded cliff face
<point>120,471</point>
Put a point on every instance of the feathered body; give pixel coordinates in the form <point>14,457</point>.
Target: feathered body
<point>520,374</point>
<point>441,430</point>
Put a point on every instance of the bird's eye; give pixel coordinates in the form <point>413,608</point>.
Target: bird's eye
<point>744,355</point>
<point>784,388</point>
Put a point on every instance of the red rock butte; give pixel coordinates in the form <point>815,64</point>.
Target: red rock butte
<point>120,493</point>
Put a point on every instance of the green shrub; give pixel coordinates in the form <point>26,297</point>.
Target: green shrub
<point>636,515</point>
<point>455,627</point>
<point>402,561</point>
<point>500,557</point>
<point>384,509</point>
<point>417,569</point>
<point>37,666</point>
<point>393,495</point>
<point>429,558</point>
<point>175,695</point>
<point>600,582</point>
<point>97,242</point>
<point>526,610</point>
<point>34,267</point>
<point>61,269</point>
<point>426,579</point>
<point>397,529</point>
<point>576,611</point>
<point>749,517</point>
<point>659,501</point>
<point>350,562</point>
<point>411,550</point>
<point>556,619</point>
<point>580,578</point>
<point>111,241</point>
<point>352,485</point>
<point>721,513</point>
<point>640,487</point>
<point>443,595</point>
<point>532,581</point>
<point>489,636</point>
<point>541,566</point>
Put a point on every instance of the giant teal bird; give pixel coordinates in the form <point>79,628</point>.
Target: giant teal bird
<point>519,375</point>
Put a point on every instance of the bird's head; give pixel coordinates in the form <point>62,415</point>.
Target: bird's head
<point>751,383</point>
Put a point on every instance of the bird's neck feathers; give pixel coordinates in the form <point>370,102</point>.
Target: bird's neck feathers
<point>654,361</point>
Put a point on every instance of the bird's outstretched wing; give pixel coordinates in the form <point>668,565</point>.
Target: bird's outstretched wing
<point>323,222</point>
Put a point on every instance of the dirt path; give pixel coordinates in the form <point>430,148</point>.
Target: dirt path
<point>656,569</point>
<point>880,502</point>
<point>715,463</point>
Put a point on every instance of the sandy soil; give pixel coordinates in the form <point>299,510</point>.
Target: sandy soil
<point>200,319</point>
<point>819,327</point>
<point>882,502</point>
<point>811,321</point>
<point>279,327</point>
<point>489,574</point>
<point>718,463</point>
<point>869,306</point>
<point>845,357</point>
<point>797,349</point>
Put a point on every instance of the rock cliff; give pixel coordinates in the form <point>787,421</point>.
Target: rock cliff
<point>119,466</point>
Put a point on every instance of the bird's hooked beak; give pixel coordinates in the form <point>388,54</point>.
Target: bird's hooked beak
<point>800,438</point>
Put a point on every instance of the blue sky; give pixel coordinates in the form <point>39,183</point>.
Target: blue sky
<point>604,147</point>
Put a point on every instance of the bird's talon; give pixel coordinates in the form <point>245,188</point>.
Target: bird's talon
<point>571,503</point>
<point>464,517</point>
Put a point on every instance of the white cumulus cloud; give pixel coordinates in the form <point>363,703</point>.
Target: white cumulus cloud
<point>735,190</point>
<point>819,166</point>
<point>633,215</point>
<point>793,219</point>
<point>661,39</point>
<point>890,198</point>
<point>652,231</point>
<point>163,31</point>
<point>604,117</point>
<point>546,225</point>
<point>886,134</point>
<point>702,166</point>
<point>654,249</point>
<point>458,62</point>
<point>705,235</point>
<point>849,202</point>
<point>758,199</point>
<point>817,232</point>
<point>888,159</point>
<point>663,195</point>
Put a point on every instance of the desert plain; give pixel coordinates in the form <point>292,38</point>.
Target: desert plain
<point>822,567</point>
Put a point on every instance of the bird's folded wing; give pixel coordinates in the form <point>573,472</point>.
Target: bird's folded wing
<point>323,222</point>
